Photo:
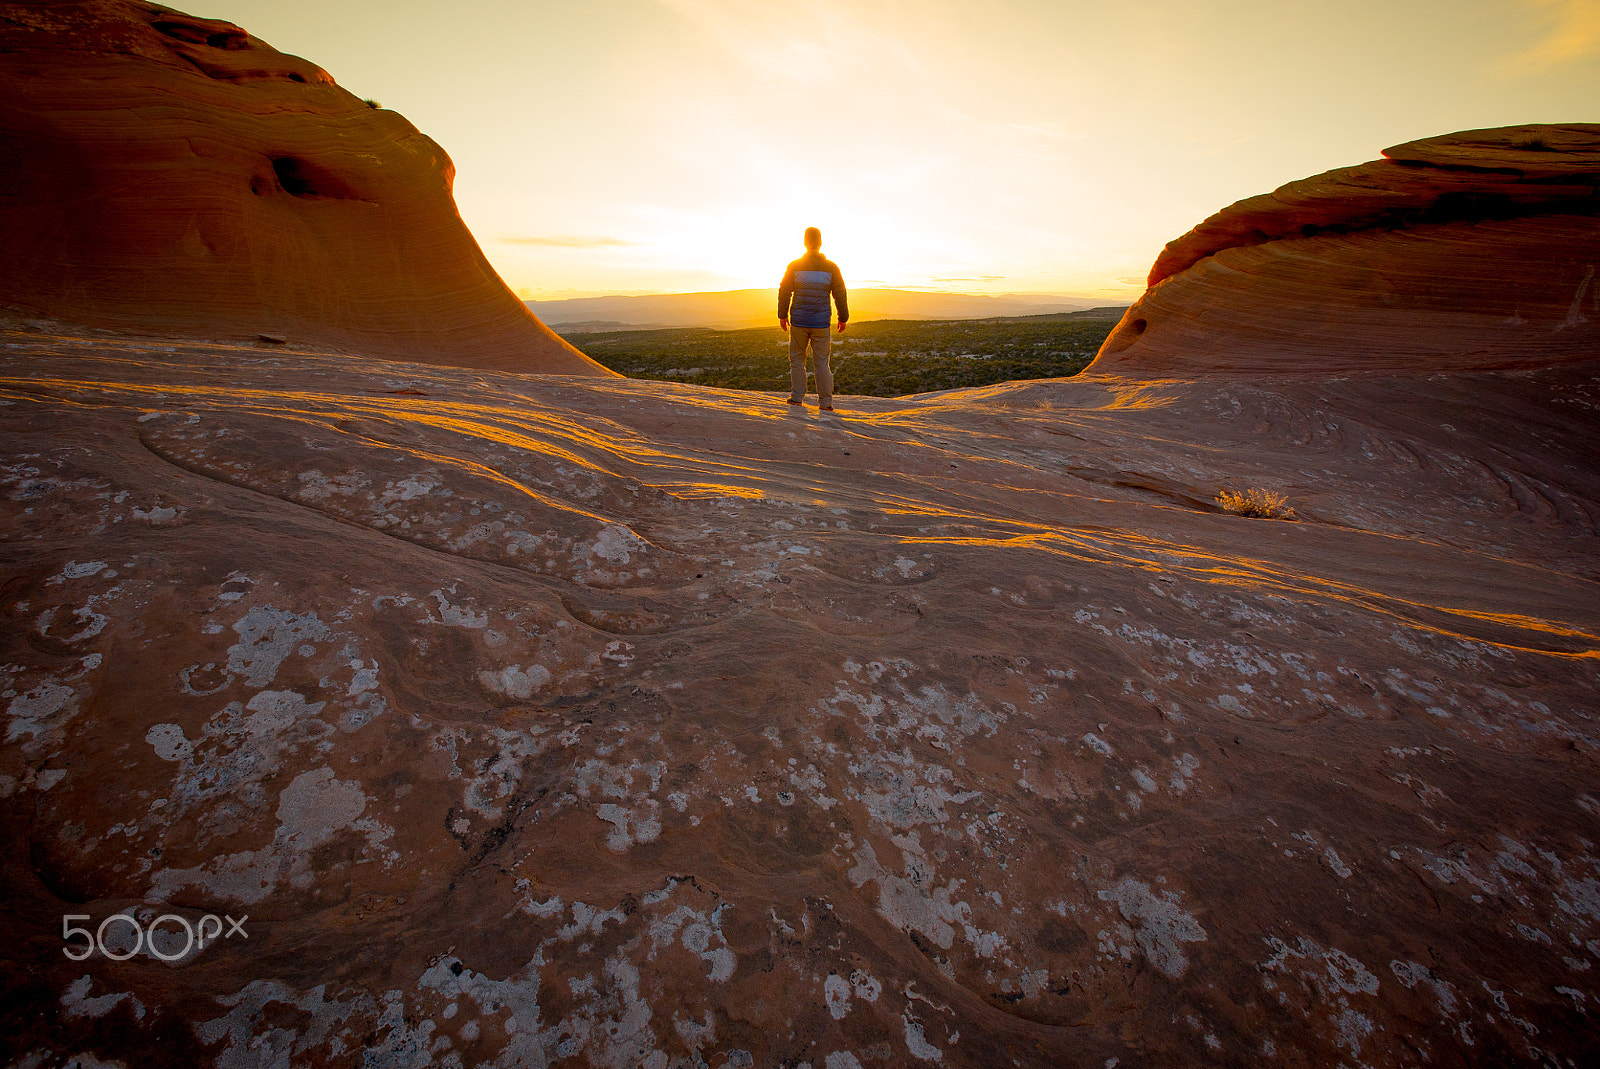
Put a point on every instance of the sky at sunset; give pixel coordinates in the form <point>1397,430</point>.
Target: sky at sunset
<point>1002,146</point>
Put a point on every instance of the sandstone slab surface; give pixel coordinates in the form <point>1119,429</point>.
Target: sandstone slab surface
<point>543,720</point>
<point>174,175</point>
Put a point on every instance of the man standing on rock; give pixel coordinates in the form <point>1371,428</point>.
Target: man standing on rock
<point>807,285</point>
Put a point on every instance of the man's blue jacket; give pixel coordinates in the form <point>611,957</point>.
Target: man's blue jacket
<point>807,285</point>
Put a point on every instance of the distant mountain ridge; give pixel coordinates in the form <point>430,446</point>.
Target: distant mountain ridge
<point>732,309</point>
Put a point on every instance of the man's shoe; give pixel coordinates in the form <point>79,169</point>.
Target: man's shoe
<point>792,401</point>
<point>824,408</point>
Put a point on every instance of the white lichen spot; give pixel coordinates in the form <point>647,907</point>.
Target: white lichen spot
<point>315,806</point>
<point>1097,744</point>
<point>615,545</point>
<point>456,615</point>
<point>514,681</point>
<point>266,638</point>
<point>77,570</point>
<point>1183,770</point>
<point>630,826</point>
<point>865,985</point>
<point>836,993</point>
<point>1330,857</point>
<point>364,679</point>
<point>30,710</point>
<point>1353,1027</point>
<point>911,904</point>
<point>1411,973</point>
<point>169,742</point>
<point>1162,926</point>
<point>700,932</point>
<point>77,1002</point>
<point>918,1044</point>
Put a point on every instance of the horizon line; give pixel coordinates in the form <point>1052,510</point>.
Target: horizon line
<point>1129,296</point>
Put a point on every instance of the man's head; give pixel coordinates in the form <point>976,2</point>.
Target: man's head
<point>813,238</point>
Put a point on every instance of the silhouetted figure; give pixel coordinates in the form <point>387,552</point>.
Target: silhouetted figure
<point>804,311</point>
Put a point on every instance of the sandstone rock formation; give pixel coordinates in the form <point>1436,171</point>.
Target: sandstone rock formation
<point>164,173</point>
<point>1472,250</point>
<point>535,721</point>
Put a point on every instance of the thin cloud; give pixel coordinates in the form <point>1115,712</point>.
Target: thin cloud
<point>1052,131</point>
<point>827,40</point>
<point>567,242</point>
<point>1573,35</point>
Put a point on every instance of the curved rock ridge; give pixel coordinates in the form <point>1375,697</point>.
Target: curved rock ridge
<point>1473,249</point>
<point>171,174</point>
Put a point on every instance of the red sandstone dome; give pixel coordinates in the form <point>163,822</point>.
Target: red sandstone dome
<point>173,174</point>
<point>1469,250</point>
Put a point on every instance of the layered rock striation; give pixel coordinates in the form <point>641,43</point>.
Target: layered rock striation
<point>165,173</point>
<point>1471,250</point>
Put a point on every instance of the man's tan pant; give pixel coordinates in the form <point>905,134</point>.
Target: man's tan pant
<point>817,339</point>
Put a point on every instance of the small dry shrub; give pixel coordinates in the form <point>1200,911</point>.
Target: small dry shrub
<point>1256,502</point>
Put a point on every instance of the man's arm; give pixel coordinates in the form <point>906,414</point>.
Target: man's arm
<point>785,295</point>
<point>841,299</point>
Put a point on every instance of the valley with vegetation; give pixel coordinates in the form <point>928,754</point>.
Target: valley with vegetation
<point>882,358</point>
